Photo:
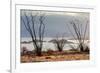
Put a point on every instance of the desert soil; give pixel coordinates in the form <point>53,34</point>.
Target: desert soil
<point>64,57</point>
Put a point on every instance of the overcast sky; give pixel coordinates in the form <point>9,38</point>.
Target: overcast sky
<point>55,22</point>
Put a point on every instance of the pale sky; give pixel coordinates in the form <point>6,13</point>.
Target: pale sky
<point>55,22</point>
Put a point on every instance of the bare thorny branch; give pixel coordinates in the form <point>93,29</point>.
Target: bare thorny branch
<point>59,43</point>
<point>80,33</point>
<point>30,27</point>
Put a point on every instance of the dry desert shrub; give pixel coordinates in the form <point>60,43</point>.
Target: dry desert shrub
<point>50,51</point>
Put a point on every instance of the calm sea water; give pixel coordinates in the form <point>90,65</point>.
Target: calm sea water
<point>49,45</point>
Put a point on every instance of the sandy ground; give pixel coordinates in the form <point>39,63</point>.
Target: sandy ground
<point>60,57</point>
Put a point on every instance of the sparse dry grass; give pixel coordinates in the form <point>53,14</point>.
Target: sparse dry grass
<point>56,56</point>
